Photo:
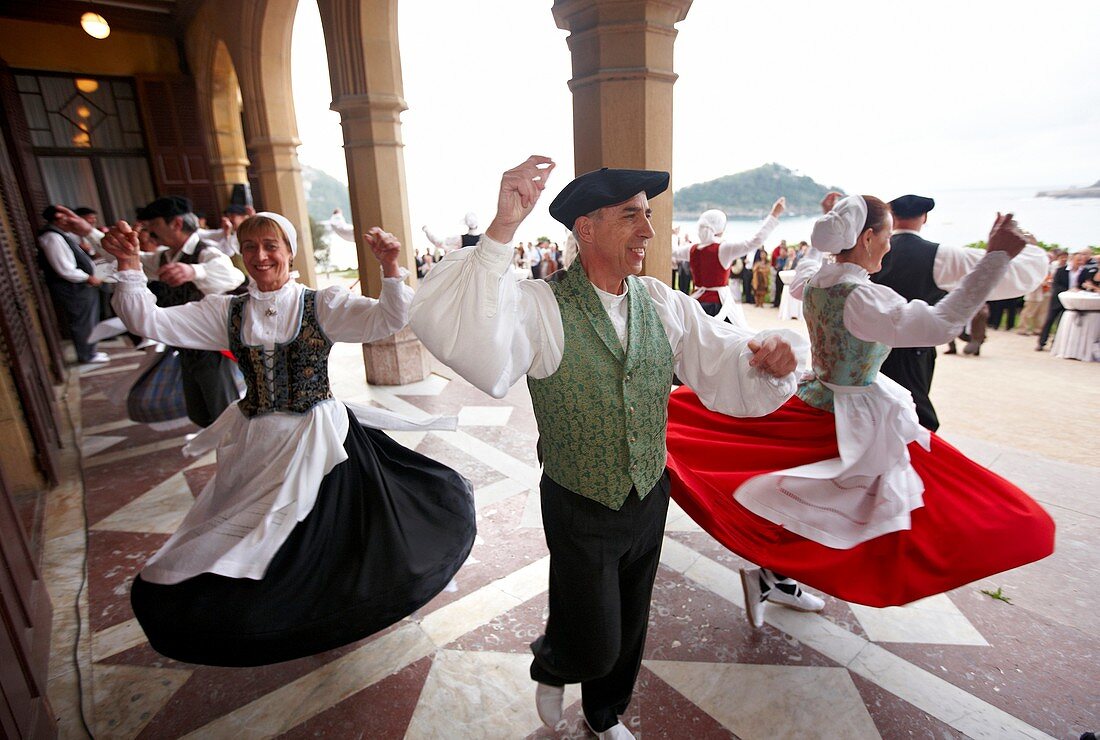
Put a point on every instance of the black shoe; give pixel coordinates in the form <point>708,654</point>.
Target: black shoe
<point>1040,348</point>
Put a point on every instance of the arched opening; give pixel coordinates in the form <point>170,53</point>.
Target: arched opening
<point>230,158</point>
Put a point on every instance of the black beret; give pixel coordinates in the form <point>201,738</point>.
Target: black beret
<point>604,187</point>
<point>911,206</point>
<point>166,207</point>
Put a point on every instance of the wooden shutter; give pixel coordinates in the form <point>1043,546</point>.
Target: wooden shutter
<point>177,145</point>
<point>25,621</point>
<point>27,199</point>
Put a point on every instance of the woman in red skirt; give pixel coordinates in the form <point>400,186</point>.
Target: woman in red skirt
<point>841,487</point>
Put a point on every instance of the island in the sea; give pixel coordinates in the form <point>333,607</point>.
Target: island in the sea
<point>1093,191</point>
<point>750,194</point>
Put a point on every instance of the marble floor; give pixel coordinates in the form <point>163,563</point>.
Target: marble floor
<point>957,665</point>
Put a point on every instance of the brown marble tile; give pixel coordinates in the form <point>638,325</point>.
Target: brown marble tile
<point>379,711</point>
<point>213,692</point>
<point>688,622</point>
<point>110,487</point>
<point>658,710</point>
<point>478,473</point>
<point>114,558</point>
<point>1035,669</point>
<point>197,478</point>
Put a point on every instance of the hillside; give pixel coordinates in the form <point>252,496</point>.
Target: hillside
<point>324,193</point>
<point>750,194</point>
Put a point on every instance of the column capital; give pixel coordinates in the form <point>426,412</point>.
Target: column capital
<point>577,16</point>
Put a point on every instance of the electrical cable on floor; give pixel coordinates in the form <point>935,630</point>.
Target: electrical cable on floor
<point>84,567</point>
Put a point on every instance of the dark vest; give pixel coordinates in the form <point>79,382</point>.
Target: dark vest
<point>470,240</point>
<point>707,271</point>
<point>180,294</point>
<point>83,261</point>
<point>299,367</point>
<point>907,268</point>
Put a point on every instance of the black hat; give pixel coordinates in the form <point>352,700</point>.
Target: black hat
<point>85,211</point>
<point>166,207</point>
<point>236,209</point>
<point>604,187</point>
<point>911,206</point>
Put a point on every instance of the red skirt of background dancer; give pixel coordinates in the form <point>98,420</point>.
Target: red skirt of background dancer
<point>973,524</point>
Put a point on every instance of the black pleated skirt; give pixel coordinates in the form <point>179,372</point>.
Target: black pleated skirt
<point>388,531</point>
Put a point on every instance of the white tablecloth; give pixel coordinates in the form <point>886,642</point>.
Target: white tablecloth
<point>1078,336</point>
<point>789,308</point>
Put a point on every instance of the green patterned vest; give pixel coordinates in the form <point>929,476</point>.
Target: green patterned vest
<point>838,357</point>
<point>602,415</point>
<point>298,368</point>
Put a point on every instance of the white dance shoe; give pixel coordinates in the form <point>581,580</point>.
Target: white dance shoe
<point>548,702</point>
<point>760,586</point>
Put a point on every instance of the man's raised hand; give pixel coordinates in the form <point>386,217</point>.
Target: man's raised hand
<point>520,188</point>
<point>386,248</point>
<point>122,243</point>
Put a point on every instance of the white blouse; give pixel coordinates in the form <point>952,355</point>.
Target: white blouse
<point>269,467</point>
<point>493,331</point>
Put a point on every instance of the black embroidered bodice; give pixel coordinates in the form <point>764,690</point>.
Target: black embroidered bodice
<point>293,376</point>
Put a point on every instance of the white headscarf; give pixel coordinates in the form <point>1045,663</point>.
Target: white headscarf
<point>838,229</point>
<point>288,229</point>
<point>470,219</point>
<point>711,224</point>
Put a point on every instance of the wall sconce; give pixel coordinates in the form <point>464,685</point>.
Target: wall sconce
<point>95,25</point>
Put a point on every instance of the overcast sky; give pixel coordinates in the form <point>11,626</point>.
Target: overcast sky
<point>960,95</point>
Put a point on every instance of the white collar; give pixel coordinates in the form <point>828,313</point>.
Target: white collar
<point>190,244</point>
<point>834,273</point>
<point>267,296</point>
<point>906,231</point>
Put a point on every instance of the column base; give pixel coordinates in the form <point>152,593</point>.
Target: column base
<point>396,360</point>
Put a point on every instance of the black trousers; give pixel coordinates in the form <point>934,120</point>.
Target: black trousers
<point>78,304</point>
<point>208,385</point>
<point>778,290</point>
<point>683,284</point>
<point>1055,310</point>
<point>602,567</point>
<point>912,368</point>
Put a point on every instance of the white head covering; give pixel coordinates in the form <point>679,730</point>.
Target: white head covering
<point>470,219</point>
<point>287,227</point>
<point>838,229</point>
<point>711,224</point>
<point>570,251</point>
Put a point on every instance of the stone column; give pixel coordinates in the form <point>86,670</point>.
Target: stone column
<point>275,162</point>
<point>622,94</point>
<point>368,93</point>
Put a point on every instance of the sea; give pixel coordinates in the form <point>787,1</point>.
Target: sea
<point>962,217</point>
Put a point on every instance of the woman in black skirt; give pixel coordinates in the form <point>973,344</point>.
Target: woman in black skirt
<point>317,530</point>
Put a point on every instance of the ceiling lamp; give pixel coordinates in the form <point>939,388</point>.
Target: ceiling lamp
<point>95,25</point>
<point>84,85</point>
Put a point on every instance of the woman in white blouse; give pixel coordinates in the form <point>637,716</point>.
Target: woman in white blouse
<point>841,487</point>
<point>316,530</point>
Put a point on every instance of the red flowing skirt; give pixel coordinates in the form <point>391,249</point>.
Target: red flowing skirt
<point>973,524</point>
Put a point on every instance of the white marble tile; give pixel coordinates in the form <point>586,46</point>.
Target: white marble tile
<point>108,368</point>
<point>432,385</point>
<point>116,639</point>
<point>448,623</point>
<point>134,695</point>
<point>677,556</point>
<point>276,712</point>
<point>161,509</point>
<point>93,444</point>
<point>679,521</point>
<point>769,701</point>
<point>493,493</point>
<point>109,426</point>
<point>484,416</point>
<point>488,695</point>
<point>411,440</point>
<point>532,510</point>
<point>934,620</point>
<point>495,458</point>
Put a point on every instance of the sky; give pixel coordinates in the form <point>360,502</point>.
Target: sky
<point>975,94</point>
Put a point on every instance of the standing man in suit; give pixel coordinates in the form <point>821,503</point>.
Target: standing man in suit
<point>1069,275</point>
<point>186,268</point>
<point>922,270</point>
<point>70,275</point>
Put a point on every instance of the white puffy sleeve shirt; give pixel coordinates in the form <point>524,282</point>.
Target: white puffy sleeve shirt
<point>492,330</point>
